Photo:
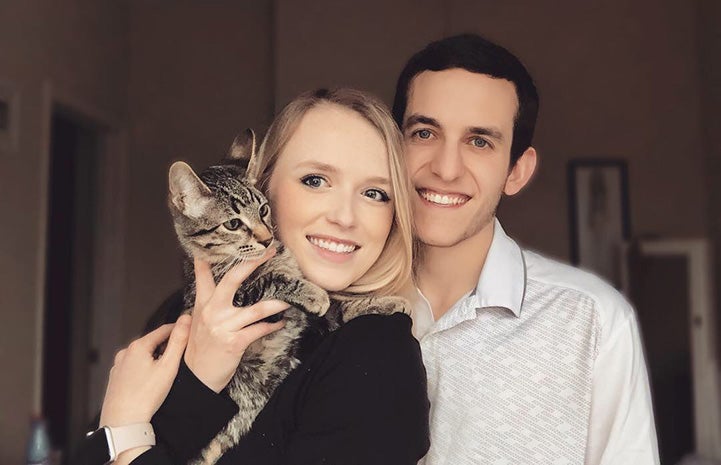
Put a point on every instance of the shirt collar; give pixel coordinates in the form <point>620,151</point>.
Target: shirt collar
<point>503,279</point>
<point>502,283</point>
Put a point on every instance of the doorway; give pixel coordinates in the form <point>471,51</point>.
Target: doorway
<point>75,148</point>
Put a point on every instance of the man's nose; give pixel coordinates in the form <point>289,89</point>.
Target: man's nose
<point>447,163</point>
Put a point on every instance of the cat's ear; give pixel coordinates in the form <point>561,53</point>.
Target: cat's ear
<point>244,148</point>
<point>187,192</point>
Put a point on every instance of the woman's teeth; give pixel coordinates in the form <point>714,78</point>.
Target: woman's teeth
<point>443,199</point>
<point>332,246</point>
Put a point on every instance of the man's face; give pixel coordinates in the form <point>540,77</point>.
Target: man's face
<point>458,129</point>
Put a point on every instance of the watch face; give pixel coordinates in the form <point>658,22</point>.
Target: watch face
<point>96,446</point>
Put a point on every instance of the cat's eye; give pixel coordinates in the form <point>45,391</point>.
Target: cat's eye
<point>313,180</point>
<point>377,195</point>
<point>264,210</point>
<point>233,225</point>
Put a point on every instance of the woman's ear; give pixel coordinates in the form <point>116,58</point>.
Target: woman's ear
<point>521,172</point>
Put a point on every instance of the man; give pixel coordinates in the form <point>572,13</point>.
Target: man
<point>529,361</point>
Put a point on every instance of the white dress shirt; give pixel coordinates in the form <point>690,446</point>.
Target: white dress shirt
<point>541,363</point>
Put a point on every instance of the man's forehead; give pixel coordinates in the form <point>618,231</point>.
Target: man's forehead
<point>460,97</point>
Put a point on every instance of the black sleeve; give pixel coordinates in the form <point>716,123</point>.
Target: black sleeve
<point>190,416</point>
<point>155,456</point>
<point>368,404</point>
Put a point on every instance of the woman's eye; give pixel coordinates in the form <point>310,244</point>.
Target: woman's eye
<point>377,195</point>
<point>479,142</point>
<point>233,224</point>
<point>313,181</point>
<point>424,134</point>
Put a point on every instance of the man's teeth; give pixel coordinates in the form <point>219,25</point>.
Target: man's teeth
<point>442,199</point>
<point>332,246</point>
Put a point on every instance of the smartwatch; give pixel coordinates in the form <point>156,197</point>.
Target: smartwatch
<point>105,444</point>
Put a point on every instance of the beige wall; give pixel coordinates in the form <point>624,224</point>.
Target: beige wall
<point>616,80</point>
<point>199,73</point>
<point>709,43</point>
<point>81,47</point>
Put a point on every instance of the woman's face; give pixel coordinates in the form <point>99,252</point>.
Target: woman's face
<point>331,195</point>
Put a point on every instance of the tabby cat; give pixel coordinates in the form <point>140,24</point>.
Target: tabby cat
<point>221,218</point>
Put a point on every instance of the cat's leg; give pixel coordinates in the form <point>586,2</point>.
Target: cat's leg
<point>294,291</point>
<point>386,305</point>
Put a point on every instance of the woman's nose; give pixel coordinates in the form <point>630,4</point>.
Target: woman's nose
<point>341,211</point>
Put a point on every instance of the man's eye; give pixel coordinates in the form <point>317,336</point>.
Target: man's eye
<point>232,225</point>
<point>376,194</point>
<point>313,180</point>
<point>423,134</point>
<point>479,142</point>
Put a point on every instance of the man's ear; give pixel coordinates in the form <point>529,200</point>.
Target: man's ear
<point>521,172</point>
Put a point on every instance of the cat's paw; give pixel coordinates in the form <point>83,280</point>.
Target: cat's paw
<point>320,303</point>
<point>386,305</point>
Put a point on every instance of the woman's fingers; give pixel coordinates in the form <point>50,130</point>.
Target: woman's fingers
<point>248,315</point>
<point>178,340</point>
<point>204,283</point>
<point>254,332</point>
<point>232,280</point>
<point>153,339</point>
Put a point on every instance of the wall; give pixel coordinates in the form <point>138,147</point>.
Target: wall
<point>200,72</point>
<point>616,79</point>
<point>81,47</point>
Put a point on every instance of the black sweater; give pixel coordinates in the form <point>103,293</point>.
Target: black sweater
<point>358,398</point>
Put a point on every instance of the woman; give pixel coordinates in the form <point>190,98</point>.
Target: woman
<point>331,165</point>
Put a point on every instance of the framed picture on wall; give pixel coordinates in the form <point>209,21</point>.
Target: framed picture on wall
<point>9,108</point>
<point>599,216</point>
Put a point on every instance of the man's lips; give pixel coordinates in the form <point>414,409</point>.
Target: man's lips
<point>443,199</point>
<point>333,244</point>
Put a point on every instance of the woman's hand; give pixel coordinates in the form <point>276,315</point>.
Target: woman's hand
<point>138,383</point>
<point>221,332</point>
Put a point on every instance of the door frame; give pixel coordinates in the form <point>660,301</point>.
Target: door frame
<point>108,267</point>
<point>702,316</point>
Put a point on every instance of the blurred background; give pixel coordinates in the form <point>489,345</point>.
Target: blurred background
<point>98,97</point>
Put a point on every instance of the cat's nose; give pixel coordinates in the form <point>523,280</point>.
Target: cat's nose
<point>266,243</point>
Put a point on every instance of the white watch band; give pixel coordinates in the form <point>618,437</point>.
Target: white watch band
<point>122,438</point>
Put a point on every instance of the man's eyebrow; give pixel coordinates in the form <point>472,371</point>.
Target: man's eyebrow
<point>415,118</point>
<point>490,132</point>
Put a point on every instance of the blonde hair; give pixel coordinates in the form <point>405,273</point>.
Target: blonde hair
<point>392,271</point>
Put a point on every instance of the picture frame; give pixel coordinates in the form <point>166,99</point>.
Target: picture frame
<point>599,218</point>
<point>9,117</point>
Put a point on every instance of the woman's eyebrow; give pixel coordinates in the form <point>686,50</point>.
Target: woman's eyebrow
<point>330,169</point>
<point>320,166</point>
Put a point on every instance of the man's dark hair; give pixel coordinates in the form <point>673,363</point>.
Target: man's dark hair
<point>473,53</point>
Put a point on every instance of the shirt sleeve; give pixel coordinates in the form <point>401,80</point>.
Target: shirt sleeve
<point>621,427</point>
<point>368,404</point>
<point>190,417</point>
<point>157,455</point>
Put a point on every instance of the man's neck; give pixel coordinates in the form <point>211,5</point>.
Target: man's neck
<point>447,273</point>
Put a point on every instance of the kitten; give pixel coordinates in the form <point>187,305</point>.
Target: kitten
<point>221,218</point>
